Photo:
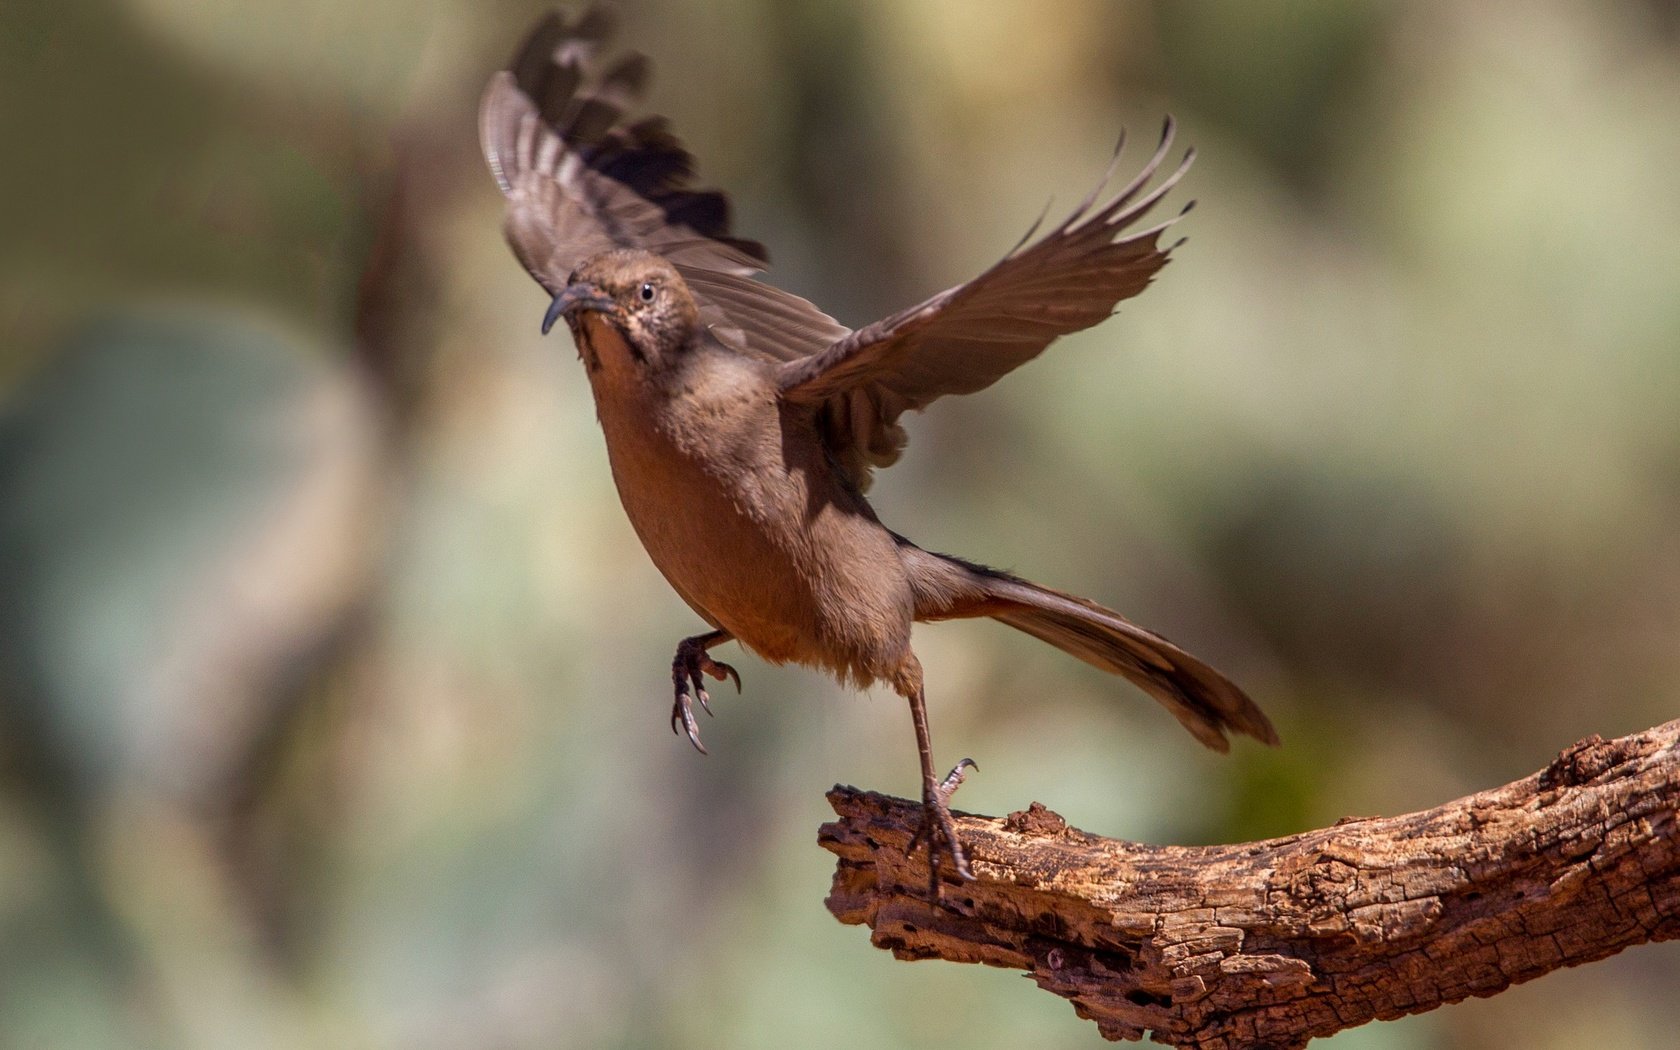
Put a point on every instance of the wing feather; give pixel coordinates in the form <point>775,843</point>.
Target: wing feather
<point>578,178</point>
<point>967,337</point>
<point>582,177</point>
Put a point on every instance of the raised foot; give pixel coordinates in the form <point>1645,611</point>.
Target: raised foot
<point>939,831</point>
<point>687,670</point>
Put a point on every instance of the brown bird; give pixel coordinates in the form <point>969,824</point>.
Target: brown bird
<point>742,423</point>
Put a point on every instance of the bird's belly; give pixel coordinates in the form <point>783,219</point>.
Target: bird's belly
<point>721,562</point>
<point>738,535</point>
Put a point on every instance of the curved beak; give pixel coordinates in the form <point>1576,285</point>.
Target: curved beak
<point>579,296</point>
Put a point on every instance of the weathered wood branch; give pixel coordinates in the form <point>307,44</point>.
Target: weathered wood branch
<point>1269,944</point>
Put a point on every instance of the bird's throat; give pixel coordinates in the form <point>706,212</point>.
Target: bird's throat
<point>610,357</point>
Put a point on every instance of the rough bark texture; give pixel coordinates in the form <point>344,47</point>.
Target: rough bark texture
<point>1268,944</point>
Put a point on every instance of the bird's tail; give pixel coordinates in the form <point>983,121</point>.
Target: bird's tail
<point>1205,701</point>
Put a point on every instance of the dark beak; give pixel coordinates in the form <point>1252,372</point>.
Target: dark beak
<point>579,296</point>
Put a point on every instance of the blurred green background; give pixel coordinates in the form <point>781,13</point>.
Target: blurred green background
<point>334,686</point>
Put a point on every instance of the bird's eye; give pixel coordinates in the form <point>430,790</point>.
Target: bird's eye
<point>647,291</point>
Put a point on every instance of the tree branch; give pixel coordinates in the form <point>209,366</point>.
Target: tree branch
<point>1269,944</point>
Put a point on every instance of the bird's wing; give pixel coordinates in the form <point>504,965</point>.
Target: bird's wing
<point>580,180</point>
<point>967,337</point>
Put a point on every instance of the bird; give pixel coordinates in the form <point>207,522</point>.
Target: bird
<point>743,424</point>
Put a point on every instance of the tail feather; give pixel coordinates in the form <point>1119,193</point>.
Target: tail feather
<point>1206,702</point>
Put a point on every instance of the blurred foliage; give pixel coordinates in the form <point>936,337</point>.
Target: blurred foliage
<point>333,686</point>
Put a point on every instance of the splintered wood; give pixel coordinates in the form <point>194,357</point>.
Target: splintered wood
<point>1269,944</point>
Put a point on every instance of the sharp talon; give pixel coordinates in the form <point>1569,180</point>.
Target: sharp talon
<point>692,728</point>
<point>721,671</point>
<point>700,693</point>
<point>682,711</point>
<point>953,780</point>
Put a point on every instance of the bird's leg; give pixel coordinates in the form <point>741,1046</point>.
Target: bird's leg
<point>937,829</point>
<point>687,669</point>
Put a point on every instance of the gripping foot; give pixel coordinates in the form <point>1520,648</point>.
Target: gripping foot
<point>688,669</point>
<point>938,830</point>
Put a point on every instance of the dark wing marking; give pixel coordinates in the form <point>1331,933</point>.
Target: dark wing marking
<point>580,180</point>
<point>967,337</point>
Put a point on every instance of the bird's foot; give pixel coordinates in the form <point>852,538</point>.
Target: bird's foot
<point>939,831</point>
<point>688,669</point>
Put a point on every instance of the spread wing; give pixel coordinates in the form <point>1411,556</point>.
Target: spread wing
<point>967,337</point>
<point>580,179</point>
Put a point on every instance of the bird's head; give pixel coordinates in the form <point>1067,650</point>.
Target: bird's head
<point>638,293</point>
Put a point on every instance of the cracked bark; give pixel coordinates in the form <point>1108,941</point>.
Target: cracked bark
<point>1269,944</point>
